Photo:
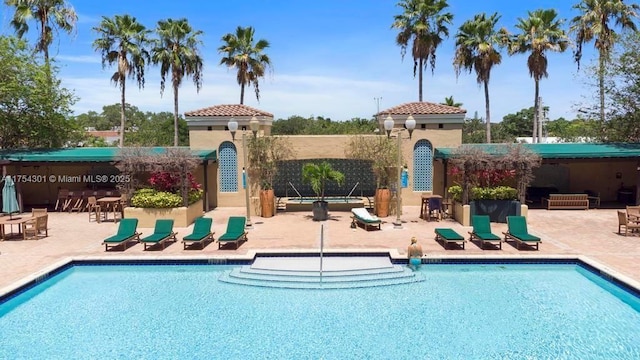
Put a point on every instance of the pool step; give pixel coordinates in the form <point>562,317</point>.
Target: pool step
<point>301,273</point>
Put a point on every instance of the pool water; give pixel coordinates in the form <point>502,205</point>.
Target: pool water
<point>459,312</point>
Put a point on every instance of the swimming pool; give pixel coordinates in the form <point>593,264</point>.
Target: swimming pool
<point>462,311</point>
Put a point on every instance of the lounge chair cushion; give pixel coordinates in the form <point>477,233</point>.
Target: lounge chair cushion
<point>235,229</point>
<point>448,234</point>
<point>126,230</point>
<point>363,215</point>
<point>201,229</point>
<point>482,228</point>
<point>163,229</point>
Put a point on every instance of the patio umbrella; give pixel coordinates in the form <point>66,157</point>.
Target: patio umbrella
<point>9,199</point>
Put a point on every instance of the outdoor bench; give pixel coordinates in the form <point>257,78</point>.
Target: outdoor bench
<point>567,201</point>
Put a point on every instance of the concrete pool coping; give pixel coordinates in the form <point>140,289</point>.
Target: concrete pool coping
<point>250,257</point>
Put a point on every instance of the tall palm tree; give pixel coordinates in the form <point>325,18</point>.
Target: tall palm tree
<point>594,23</point>
<point>540,32</point>
<point>449,101</point>
<point>177,53</point>
<point>50,15</point>
<point>249,58</point>
<point>123,40</point>
<point>477,48</point>
<point>422,26</point>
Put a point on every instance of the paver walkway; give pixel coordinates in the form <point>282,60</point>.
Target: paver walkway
<point>591,233</point>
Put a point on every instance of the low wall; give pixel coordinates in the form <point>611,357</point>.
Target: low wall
<point>182,216</point>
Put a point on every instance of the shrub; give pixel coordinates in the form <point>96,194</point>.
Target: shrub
<point>151,198</point>
<point>485,193</point>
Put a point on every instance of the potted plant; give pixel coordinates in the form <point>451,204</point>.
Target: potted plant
<point>317,175</point>
<point>383,155</point>
<point>263,154</point>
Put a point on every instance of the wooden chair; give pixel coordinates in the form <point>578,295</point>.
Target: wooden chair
<point>633,213</point>
<point>623,222</point>
<point>94,209</point>
<point>63,196</point>
<point>35,227</point>
<point>38,211</point>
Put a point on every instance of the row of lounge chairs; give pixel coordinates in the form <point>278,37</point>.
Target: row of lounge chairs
<point>163,233</point>
<point>516,231</point>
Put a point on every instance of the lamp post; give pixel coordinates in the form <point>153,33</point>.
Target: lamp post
<point>254,124</point>
<point>409,124</point>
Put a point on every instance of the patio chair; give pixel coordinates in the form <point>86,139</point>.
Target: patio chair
<point>517,231</point>
<point>201,233</point>
<point>449,236</point>
<point>61,202</point>
<point>162,232</point>
<point>362,216</point>
<point>126,233</point>
<point>626,223</point>
<point>94,208</point>
<point>435,208</point>
<point>34,228</point>
<point>235,231</point>
<point>482,231</point>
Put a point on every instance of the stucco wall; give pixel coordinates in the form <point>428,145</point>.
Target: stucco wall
<point>331,146</point>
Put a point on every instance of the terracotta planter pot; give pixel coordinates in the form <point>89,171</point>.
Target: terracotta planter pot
<point>267,203</point>
<point>382,200</point>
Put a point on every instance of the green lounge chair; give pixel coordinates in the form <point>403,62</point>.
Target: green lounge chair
<point>362,216</point>
<point>235,231</point>
<point>517,231</point>
<point>162,232</point>
<point>201,233</point>
<point>482,231</point>
<point>126,232</point>
<point>449,236</point>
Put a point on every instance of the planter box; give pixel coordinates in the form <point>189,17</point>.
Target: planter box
<point>498,210</point>
<point>182,216</point>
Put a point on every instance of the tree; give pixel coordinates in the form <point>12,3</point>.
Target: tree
<point>178,55</point>
<point>540,32</point>
<point>422,26</point>
<point>123,40</point>
<point>450,102</point>
<point>249,58</point>
<point>34,109</point>
<point>594,23</point>
<point>50,15</point>
<point>477,48</point>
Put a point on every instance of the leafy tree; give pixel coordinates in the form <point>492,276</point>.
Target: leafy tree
<point>34,109</point>
<point>178,55</point>
<point>477,48</point>
<point>157,130</point>
<point>539,33</point>
<point>123,41</point>
<point>473,130</point>
<point>249,58</point>
<point>422,25</point>
<point>594,23</point>
<point>50,15</point>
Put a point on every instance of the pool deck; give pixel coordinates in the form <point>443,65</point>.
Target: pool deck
<point>565,233</point>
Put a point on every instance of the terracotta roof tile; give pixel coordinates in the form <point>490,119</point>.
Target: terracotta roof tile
<point>422,108</point>
<point>228,111</point>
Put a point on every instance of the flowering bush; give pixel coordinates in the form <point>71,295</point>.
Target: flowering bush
<point>165,191</point>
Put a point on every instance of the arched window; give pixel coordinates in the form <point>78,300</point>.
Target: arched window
<point>228,167</point>
<point>422,166</point>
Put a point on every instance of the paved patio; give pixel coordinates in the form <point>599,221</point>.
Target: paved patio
<point>590,233</point>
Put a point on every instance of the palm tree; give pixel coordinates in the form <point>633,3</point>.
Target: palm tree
<point>449,101</point>
<point>593,23</point>
<point>249,58</point>
<point>50,15</point>
<point>177,53</point>
<point>540,32</point>
<point>422,25</point>
<point>477,48</point>
<point>123,40</point>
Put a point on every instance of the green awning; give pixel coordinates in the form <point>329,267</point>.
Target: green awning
<point>88,154</point>
<point>559,150</point>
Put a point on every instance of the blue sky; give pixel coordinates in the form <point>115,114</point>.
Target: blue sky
<point>330,58</point>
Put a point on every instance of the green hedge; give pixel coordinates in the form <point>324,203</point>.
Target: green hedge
<point>150,198</point>
<point>478,193</point>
